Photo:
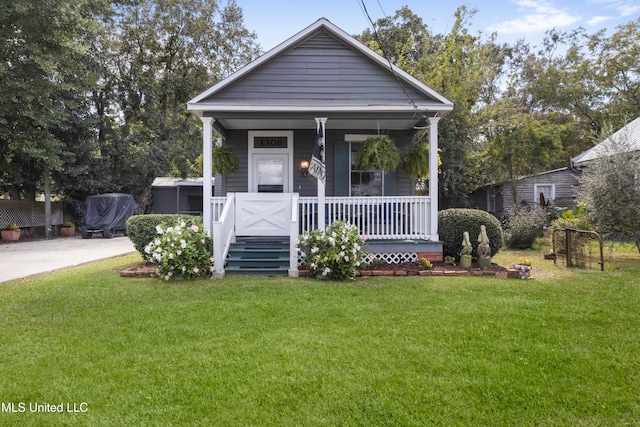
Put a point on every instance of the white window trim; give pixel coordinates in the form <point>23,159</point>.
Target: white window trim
<point>252,150</point>
<point>536,193</point>
<point>352,138</point>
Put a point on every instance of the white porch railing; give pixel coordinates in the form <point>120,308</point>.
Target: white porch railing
<point>217,204</point>
<point>223,233</point>
<point>388,217</point>
<point>401,217</point>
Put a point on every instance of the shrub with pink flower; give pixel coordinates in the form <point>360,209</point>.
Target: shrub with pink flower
<point>181,251</point>
<point>334,254</point>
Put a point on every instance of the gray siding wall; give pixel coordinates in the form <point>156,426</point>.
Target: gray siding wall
<point>565,182</point>
<point>319,68</point>
<point>337,164</point>
<point>239,181</point>
<point>164,200</point>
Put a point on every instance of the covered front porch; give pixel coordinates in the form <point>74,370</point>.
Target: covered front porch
<point>397,229</point>
<point>319,85</point>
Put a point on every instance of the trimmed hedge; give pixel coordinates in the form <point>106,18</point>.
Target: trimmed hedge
<point>141,229</point>
<point>452,223</point>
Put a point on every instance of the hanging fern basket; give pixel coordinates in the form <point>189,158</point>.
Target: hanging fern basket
<point>223,161</point>
<point>416,162</point>
<point>378,152</point>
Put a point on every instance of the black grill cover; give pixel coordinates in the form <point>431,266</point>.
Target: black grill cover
<point>108,211</point>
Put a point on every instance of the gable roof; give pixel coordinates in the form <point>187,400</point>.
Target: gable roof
<point>321,69</point>
<point>628,135</point>
<point>526,177</point>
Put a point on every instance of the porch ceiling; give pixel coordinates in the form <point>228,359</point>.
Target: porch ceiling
<point>305,120</point>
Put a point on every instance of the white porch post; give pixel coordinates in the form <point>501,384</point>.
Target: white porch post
<point>207,137</point>
<point>321,185</point>
<point>433,176</point>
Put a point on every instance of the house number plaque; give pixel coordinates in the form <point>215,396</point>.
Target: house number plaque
<point>270,142</point>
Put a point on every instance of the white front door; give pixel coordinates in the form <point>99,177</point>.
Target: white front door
<point>270,161</point>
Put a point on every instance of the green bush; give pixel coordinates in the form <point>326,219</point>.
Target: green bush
<point>334,254</point>
<point>573,218</point>
<point>141,229</point>
<point>524,225</point>
<point>181,250</point>
<point>452,223</point>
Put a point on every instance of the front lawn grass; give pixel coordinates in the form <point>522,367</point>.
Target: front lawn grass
<point>557,350</point>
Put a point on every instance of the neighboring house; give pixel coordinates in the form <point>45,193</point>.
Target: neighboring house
<point>629,135</point>
<point>556,186</point>
<point>270,112</point>
<point>177,195</point>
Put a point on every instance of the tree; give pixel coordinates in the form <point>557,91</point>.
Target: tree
<point>464,68</point>
<point>610,188</point>
<point>579,80</point>
<point>158,56</point>
<point>43,86</point>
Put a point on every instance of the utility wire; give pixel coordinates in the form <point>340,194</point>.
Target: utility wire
<point>384,54</point>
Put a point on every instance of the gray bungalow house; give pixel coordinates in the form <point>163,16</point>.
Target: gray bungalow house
<point>270,112</point>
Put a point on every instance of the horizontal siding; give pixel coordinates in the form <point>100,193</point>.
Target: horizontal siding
<point>164,200</point>
<point>304,141</point>
<point>239,181</point>
<point>565,183</point>
<point>320,68</point>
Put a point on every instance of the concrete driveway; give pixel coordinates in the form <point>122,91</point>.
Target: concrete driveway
<point>24,259</point>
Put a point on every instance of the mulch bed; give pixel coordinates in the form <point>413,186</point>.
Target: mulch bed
<point>147,269</point>
<point>438,269</point>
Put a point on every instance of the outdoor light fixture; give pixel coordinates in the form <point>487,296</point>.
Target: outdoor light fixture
<point>304,167</point>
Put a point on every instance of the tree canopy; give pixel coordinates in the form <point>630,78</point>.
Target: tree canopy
<point>93,92</point>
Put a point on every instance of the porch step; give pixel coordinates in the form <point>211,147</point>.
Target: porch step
<point>253,256</point>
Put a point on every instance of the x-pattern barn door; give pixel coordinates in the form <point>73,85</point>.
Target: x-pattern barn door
<point>263,214</point>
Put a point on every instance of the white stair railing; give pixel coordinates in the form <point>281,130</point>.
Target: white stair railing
<point>223,233</point>
<point>293,236</point>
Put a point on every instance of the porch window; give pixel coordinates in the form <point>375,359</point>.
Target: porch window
<point>365,183</point>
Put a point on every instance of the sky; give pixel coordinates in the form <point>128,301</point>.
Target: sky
<point>274,21</point>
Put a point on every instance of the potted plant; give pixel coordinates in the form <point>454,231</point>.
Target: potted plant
<point>11,231</point>
<point>68,229</point>
<point>377,152</point>
<point>223,161</point>
<point>524,267</point>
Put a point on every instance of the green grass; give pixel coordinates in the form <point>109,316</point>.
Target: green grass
<point>562,349</point>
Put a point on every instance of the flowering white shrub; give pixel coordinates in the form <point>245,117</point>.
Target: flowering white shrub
<point>334,254</point>
<point>181,250</point>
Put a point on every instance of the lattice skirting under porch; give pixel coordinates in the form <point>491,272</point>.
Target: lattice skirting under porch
<point>393,258</point>
<point>390,258</point>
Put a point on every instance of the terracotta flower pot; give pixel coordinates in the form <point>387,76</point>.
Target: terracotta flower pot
<point>10,234</point>
<point>67,231</point>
